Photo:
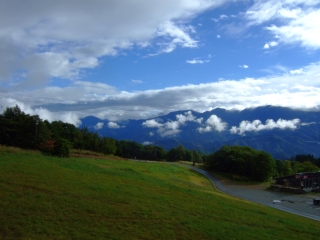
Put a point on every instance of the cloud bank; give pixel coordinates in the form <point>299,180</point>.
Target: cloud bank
<point>297,88</point>
<point>257,125</point>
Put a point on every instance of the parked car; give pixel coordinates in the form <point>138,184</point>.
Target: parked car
<point>316,201</point>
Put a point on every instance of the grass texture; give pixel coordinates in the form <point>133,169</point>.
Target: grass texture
<point>44,197</point>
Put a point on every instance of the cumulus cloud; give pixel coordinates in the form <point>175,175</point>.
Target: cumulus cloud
<point>46,39</point>
<point>113,125</point>
<point>147,143</point>
<point>187,116</point>
<point>171,127</point>
<point>99,125</point>
<point>213,123</point>
<point>244,66</point>
<point>257,125</point>
<point>152,124</point>
<point>299,20</point>
<point>270,44</point>
<point>165,129</point>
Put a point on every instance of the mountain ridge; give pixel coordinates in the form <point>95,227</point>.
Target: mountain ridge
<point>283,132</point>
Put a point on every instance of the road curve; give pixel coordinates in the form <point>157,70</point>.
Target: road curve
<point>309,210</point>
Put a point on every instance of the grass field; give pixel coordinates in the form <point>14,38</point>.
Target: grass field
<point>96,198</point>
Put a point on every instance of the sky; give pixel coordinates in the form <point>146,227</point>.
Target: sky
<point>124,59</point>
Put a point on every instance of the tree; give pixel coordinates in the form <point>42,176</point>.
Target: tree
<point>61,148</point>
<point>197,156</point>
<point>176,154</point>
<point>189,156</point>
<point>306,166</point>
<point>108,146</point>
<point>131,149</point>
<point>243,161</point>
<point>20,129</point>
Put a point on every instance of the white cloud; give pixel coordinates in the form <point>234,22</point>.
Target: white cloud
<point>152,124</point>
<point>218,36</point>
<point>184,118</point>
<point>299,20</point>
<point>244,66</point>
<point>199,120</point>
<point>99,125</point>
<point>180,37</point>
<point>297,71</point>
<point>281,88</point>
<point>136,81</point>
<point>187,117</point>
<point>266,46</point>
<point>197,61</point>
<point>165,129</point>
<point>222,16</point>
<point>171,127</point>
<point>273,44</point>
<point>147,143</point>
<point>257,125</point>
<point>113,125</point>
<point>44,39</point>
<point>213,123</point>
<point>270,44</point>
<point>307,124</point>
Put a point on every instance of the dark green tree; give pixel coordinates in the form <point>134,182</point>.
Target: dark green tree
<point>243,161</point>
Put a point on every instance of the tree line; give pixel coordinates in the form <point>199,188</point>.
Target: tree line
<point>57,138</point>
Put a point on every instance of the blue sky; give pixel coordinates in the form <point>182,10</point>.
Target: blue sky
<point>116,60</point>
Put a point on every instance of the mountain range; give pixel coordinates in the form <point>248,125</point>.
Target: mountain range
<point>282,132</point>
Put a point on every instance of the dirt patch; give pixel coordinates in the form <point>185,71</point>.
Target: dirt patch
<point>95,156</point>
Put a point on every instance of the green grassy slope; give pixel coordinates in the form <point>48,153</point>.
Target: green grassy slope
<point>51,198</point>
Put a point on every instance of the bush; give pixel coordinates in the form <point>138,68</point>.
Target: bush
<point>62,148</point>
<point>47,147</point>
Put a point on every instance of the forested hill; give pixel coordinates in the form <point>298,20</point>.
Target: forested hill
<point>283,132</point>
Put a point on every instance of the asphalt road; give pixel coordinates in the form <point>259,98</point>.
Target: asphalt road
<point>299,204</point>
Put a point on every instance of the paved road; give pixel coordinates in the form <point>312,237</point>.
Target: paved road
<point>299,204</point>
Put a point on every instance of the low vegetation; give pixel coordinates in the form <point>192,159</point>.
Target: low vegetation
<point>46,197</point>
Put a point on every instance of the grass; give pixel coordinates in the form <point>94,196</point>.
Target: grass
<point>79,198</point>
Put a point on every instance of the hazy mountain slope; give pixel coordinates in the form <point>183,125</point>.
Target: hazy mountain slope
<point>282,138</point>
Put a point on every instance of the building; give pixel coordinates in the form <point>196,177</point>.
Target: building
<point>302,182</point>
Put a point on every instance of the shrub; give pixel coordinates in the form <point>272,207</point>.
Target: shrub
<point>62,148</point>
<point>47,147</point>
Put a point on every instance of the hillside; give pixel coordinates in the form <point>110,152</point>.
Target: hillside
<point>78,198</point>
<point>283,132</point>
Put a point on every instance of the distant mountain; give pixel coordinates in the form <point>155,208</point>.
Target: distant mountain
<point>283,132</point>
